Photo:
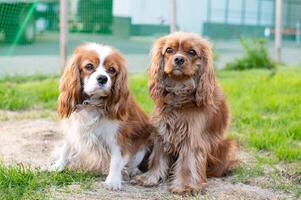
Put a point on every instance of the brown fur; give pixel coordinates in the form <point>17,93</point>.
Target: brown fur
<point>191,115</point>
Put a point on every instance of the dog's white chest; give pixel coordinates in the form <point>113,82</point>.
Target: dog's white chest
<point>106,130</point>
<point>90,129</point>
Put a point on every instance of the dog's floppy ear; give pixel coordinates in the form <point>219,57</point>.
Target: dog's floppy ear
<point>121,91</point>
<point>156,70</point>
<point>206,82</point>
<point>70,88</point>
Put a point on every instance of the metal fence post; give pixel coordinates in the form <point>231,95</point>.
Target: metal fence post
<point>63,32</point>
<point>278,30</point>
<point>173,15</point>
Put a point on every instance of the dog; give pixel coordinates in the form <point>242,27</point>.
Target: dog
<point>191,115</point>
<point>104,128</point>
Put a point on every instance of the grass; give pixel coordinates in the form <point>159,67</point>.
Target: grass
<point>138,85</point>
<point>20,182</point>
<point>19,93</point>
<point>266,112</point>
<point>264,171</point>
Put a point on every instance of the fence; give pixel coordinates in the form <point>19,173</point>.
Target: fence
<point>250,18</point>
<point>29,29</point>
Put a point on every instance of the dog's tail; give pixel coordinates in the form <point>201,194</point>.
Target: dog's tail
<point>223,158</point>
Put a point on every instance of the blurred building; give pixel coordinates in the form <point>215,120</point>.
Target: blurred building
<point>214,18</point>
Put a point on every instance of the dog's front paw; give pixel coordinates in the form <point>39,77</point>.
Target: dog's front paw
<point>56,167</point>
<point>187,189</point>
<point>146,180</point>
<point>134,172</point>
<point>181,190</point>
<point>112,183</point>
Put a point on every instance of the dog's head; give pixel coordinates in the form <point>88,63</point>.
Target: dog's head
<point>181,56</point>
<point>94,71</point>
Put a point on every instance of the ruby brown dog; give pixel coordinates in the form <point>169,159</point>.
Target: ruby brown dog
<point>104,128</point>
<point>191,115</point>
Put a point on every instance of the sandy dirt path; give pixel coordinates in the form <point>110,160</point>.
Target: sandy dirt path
<point>31,142</point>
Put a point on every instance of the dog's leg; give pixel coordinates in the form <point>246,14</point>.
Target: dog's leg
<point>62,161</point>
<point>118,162</point>
<point>137,159</point>
<point>189,173</point>
<point>158,164</point>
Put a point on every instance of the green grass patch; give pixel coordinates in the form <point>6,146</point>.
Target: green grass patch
<point>243,173</point>
<point>266,108</point>
<point>23,79</point>
<point>138,85</point>
<point>290,186</point>
<point>20,182</point>
<point>36,92</point>
<point>264,171</point>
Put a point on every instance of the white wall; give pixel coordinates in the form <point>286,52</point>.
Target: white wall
<point>251,12</point>
<point>234,14</point>
<point>122,8</point>
<point>149,11</point>
<point>218,8</point>
<point>267,13</point>
<point>191,14</point>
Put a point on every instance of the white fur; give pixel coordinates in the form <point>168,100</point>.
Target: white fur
<point>113,180</point>
<point>91,86</point>
<point>62,160</point>
<point>135,161</point>
<point>90,141</point>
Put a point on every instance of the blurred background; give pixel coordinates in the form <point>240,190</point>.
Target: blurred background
<point>30,29</point>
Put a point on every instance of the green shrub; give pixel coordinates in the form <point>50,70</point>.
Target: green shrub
<point>255,55</point>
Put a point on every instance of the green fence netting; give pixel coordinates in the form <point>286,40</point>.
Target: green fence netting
<point>21,21</point>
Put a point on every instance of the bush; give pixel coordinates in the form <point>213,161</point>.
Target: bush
<point>255,55</point>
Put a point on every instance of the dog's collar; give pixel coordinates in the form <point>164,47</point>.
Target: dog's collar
<point>94,102</point>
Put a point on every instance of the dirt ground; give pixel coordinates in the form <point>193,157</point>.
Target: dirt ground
<point>30,141</point>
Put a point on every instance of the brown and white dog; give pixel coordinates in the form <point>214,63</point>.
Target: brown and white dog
<point>191,115</point>
<point>104,128</point>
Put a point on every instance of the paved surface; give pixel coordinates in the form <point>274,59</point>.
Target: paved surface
<point>42,57</point>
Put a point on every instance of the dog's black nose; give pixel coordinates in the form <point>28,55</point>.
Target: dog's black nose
<point>179,60</point>
<point>102,79</point>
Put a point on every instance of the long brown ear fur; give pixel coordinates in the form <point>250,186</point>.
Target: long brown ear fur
<point>121,94</point>
<point>156,70</point>
<point>206,84</point>
<point>70,88</point>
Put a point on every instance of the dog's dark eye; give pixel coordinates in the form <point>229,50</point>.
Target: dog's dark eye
<point>89,67</point>
<point>169,50</point>
<point>111,70</point>
<point>192,52</point>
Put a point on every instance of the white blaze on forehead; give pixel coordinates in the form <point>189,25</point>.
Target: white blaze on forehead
<point>102,50</point>
<point>91,85</point>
